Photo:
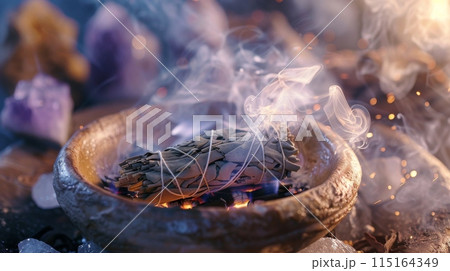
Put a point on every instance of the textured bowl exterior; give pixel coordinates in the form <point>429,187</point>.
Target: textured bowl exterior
<point>282,225</point>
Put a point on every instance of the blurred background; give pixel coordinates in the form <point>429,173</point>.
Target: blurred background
<point>64,64</point>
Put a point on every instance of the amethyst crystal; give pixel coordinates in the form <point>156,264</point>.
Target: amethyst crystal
<point>40,108</point>
<point>121,66</point>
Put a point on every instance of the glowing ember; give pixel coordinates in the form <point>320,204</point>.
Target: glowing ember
<point>390,98</point>
<point>404,163</point>
<point>186,206</point>
<point>241,205</point>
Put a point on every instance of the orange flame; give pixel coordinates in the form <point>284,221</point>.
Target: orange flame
<point>186,206</point>
<point>241,204</point>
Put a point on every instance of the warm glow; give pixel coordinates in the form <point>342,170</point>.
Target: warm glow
<point>241,204</point>
<point>404,163</point>
<point>413,173</point>
<point>186,206</point>
<point>139,42</point>
<point>438,10</point>
<point>390,98</point>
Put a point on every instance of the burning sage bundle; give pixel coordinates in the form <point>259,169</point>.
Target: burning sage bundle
<point>208,164</point>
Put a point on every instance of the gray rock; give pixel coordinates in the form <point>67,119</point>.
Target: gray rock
<point>31,245</point>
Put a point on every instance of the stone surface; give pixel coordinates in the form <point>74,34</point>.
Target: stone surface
<point>419,189</point>
<point>40,108</point>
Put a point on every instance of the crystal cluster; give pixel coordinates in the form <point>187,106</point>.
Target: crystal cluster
<point>121,64</point>
<point>40,108</point>
<point>42,39</point>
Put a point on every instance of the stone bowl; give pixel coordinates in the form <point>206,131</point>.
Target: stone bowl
<point>121,224</point>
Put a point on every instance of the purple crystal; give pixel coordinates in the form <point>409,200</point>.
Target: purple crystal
<point>121,66</point>
<point>40,108</point>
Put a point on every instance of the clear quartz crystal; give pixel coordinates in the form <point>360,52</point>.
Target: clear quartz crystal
<point>40,108</point>
<point>43,193</point>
